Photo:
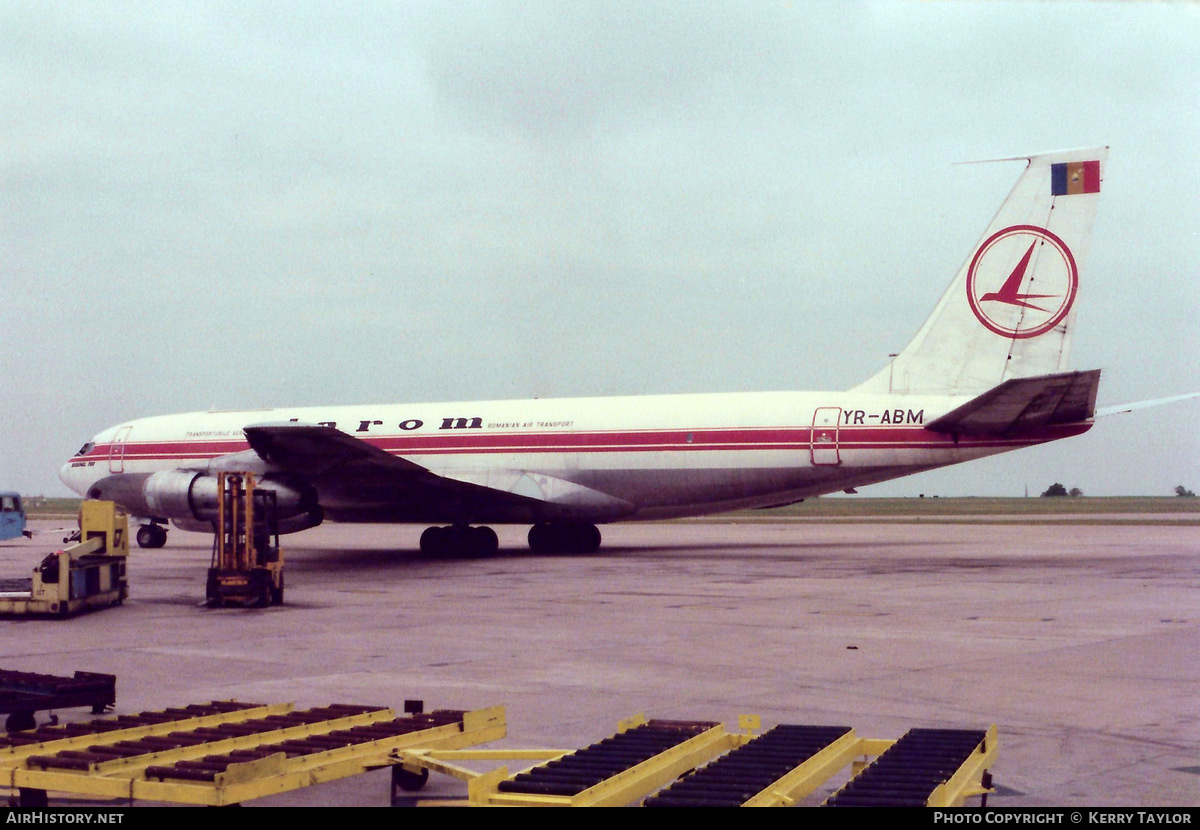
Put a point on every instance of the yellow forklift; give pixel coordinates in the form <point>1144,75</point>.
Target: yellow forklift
<point>247,564</point>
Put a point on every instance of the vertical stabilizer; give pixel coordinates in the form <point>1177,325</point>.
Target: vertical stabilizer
<point>1009,312</point>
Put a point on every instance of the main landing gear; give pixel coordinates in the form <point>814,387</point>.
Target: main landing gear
<point>459,540</point>
<point>151,536</point>
<point>477,542</point>
<point>564,537</point>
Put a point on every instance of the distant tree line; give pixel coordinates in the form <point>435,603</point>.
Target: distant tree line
<point>1057,489</point>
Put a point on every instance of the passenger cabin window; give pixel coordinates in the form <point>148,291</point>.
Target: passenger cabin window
<point>11,504</point>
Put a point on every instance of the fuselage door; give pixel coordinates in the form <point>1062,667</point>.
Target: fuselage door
<point>116,453</point>
<point>825,435</point>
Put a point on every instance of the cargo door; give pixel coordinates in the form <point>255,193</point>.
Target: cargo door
<point>825,436</point>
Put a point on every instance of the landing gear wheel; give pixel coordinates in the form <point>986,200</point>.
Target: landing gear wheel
<point>277,593</point>
<point>459,541</point>
<point>541,538</point>
<point>433,541</point>
<point>587,539</point>
<point>563,537</point>
<point>151,536</point>
<point>484,541</point>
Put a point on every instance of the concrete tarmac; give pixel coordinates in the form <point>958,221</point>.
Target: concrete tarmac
<point>1081,641</point>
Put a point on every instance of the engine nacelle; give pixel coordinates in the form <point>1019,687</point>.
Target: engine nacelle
<point>302,521</point>
<point>182,494</point>
<point>194,525</point>
<point>292,524</point>
<point>191,498</point>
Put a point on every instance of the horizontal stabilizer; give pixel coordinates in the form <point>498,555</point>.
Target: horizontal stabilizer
<point>1025,403</point>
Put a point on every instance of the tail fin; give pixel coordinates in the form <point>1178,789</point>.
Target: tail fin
<point>1010,310</point>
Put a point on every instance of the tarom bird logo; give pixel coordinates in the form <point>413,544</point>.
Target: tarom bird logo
<point>1009,293</point>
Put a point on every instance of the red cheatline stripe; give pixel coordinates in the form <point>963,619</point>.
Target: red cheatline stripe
<point>797,439</point>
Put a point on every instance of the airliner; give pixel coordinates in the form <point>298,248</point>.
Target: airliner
<point>985,374</point>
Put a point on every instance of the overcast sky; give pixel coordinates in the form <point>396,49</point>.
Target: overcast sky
<point>254,204</point>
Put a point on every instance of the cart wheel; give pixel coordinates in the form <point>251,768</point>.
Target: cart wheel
<point>19,722</point>
<point>409,781</point>
<point>31,799</point>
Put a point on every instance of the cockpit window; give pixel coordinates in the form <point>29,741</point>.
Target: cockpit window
<point>86,448</point>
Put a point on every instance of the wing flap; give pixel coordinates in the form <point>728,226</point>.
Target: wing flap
<point>546,489</point>
<point>1025,403</point>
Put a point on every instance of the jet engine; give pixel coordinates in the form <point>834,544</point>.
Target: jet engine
<point>190,498</point>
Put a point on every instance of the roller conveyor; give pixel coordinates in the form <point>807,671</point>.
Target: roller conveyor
<point>907,774</point>
<point>23,693</point>
<point>233,756</point>
<point>737,777</point>
<point>227,753</point>
<point>782,767</point>
<point>585,768</point>
<point>154,745</point>
<point>48,734</point>
<point>208,767</point>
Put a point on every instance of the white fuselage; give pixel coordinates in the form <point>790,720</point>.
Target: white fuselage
<point>656,457</point>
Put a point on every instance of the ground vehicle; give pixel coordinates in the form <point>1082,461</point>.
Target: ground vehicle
<point>12,516</point>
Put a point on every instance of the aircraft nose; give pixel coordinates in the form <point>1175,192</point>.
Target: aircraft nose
<point>64,475</point>
<point>74,477</point>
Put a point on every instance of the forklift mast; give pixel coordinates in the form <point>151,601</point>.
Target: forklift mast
<point>247,566</point>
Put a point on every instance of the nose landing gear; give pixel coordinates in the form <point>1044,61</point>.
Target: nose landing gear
<point>151,536</point>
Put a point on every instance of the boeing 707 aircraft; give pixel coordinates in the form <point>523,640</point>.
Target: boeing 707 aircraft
<point>985,374</point>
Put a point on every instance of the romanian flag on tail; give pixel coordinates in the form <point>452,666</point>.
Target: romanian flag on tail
<point>1071,178</point>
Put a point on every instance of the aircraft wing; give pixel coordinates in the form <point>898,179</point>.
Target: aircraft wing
<point>1025,403</point>
<point>338,462</point>
<point>312,451</point>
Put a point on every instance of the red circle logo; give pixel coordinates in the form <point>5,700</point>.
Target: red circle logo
<point>1022,281</point>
